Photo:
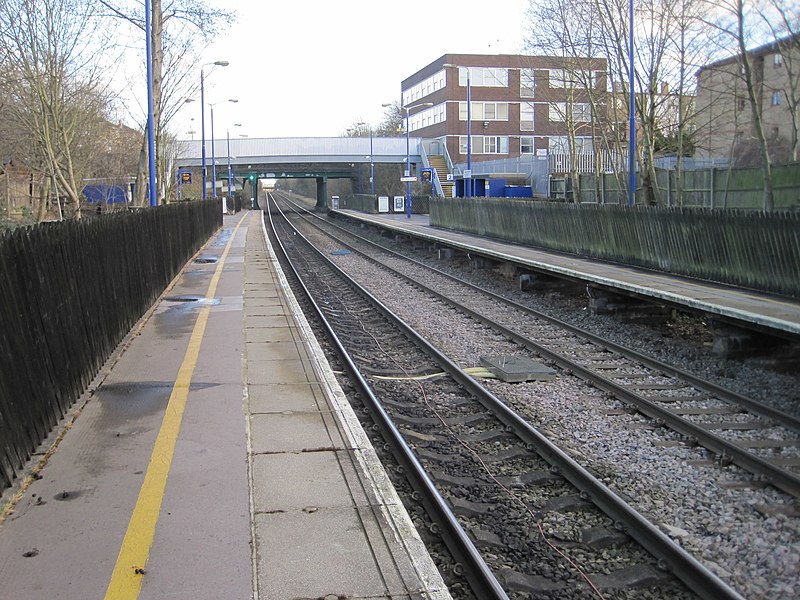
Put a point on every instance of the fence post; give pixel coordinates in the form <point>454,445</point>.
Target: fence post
<point>711,171</point>
<point>602,188</point>
<point>669,187</point>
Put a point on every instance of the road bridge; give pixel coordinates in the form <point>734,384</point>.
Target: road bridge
<point>319,158</point>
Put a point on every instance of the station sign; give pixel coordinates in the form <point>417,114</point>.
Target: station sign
<point>186,177</point>
<point>406,179</point>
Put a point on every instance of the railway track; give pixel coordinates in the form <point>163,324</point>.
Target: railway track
<point>543,524</point>
<point>739,430</point>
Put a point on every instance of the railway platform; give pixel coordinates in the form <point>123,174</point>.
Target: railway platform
<point>765,312</point>
<point>214,456</point>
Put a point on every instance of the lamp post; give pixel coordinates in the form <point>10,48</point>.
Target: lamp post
<point>213,154</point>
<point>408,157</point>
<point>631,117</point>
<point>230,177</point>
<point>218,63</point>
<point>151,143</point>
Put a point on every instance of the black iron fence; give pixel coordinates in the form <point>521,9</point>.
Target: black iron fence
<point>70,293</point>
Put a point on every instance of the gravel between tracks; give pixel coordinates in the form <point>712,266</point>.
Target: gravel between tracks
<point>739,533</point>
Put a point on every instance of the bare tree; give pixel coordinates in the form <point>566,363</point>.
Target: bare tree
<point>51,45</point>
<point>782,17</point>
<point>688,49</point>
<point>179,27</point>
<point>665,35</point>
<point>739,25</point>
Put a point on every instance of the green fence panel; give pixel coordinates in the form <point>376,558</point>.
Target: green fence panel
<point>744,248</point>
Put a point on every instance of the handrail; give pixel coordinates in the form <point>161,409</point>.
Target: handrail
<point>437,184</point>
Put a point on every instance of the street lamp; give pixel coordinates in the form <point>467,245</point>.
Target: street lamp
<point>371,160</point>
<point>213,154</point>
<point>468,172</point>
<point>218,63</point>
<point>408,156</point>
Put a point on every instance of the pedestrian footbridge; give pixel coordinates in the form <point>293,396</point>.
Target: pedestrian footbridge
<point>292,158</point>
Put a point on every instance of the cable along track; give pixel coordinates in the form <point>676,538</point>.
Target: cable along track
<point>739,430</point>
<point>545,526</point>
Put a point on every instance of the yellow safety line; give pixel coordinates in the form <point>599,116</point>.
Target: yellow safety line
<point>126,579</point>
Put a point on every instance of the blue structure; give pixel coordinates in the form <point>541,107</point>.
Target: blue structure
<point>106,194</point>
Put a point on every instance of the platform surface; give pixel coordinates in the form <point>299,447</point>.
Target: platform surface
<point>216,457</point>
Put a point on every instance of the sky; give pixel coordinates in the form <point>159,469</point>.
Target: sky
<point>316,67</point>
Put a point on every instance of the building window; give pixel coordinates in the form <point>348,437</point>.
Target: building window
<point>495,145</point>
<point>484,111</point>
<point>775,131</point>
<point>483,76</point>
<point>526,120</point>
<point>737,139</point>
<point>580,112</point>
<point>527,83</point>
<point>426,118</point>
<point>526,145</point>
<point>776,98</point>
<point>558,112</point>
<point>424,88</point>
<point>566,78</point>
<point>484,144</point>
<point>740,104</point>
<point>559,144</point>
<point>777,60</point>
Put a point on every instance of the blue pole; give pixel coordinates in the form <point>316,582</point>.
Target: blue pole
<point>213,160</point>
<point>632,119</point>
<point>371,165</point>
<point>203,128</point>
<point>468,183</point>
<point>230,177</point>
<point>408,172</point>
<point>151,138</point>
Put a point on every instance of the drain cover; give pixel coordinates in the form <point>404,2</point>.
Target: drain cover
<point>514,369</point>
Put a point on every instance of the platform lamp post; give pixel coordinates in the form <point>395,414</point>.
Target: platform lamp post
<point>213,154</point>
<point>230,176</point>
<point>218,63</point>
<point>408,155</point>
<point>631,116</point>
<point>151,138</point>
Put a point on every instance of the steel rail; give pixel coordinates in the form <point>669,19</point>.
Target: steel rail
<point>475,570</point>
<point>773,474</point>
<point>787,420</point>
<point>684,566</point>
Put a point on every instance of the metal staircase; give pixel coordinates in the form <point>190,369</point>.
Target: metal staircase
<point>439,164</point>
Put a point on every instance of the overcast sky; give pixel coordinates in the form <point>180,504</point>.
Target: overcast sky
<point>315,67</point>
